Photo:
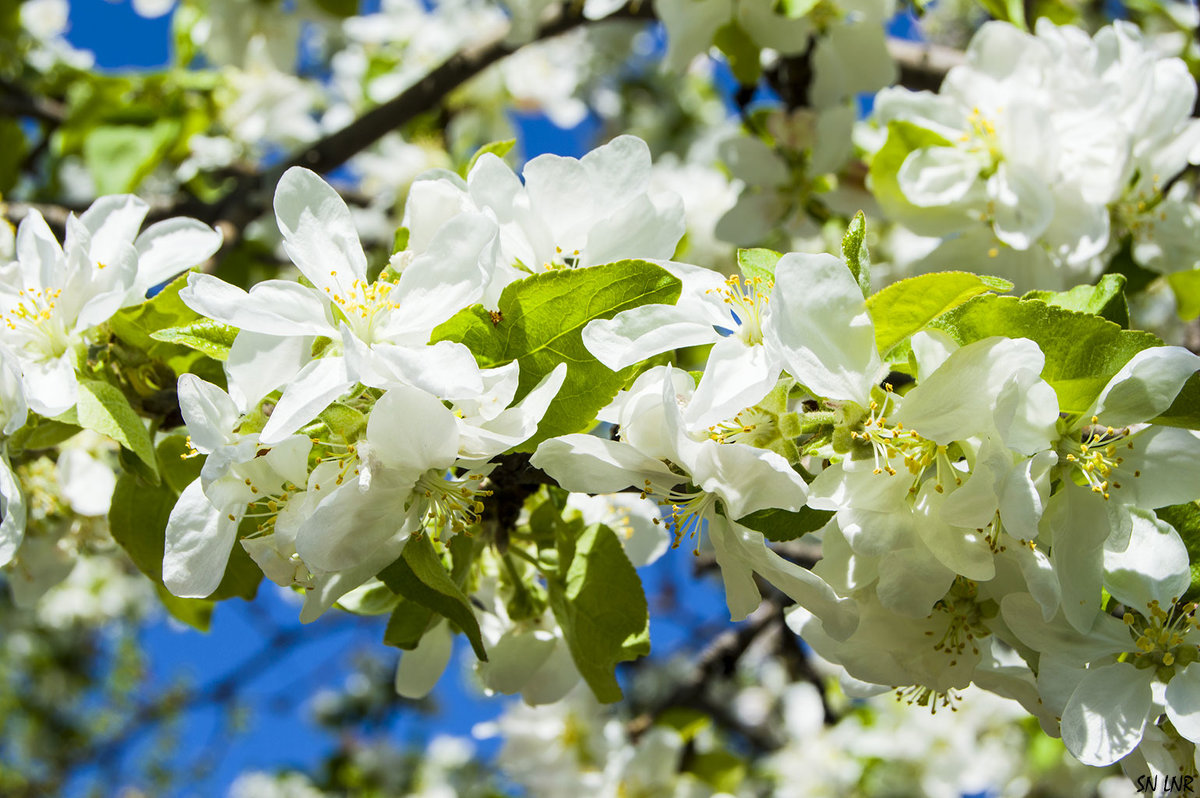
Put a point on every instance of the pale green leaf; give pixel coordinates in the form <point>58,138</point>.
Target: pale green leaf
<point>907,306</point>
<point>1106,299</point>
<point>1186,286</point>
<point>854,252</point>
<point>758,264</point>
<point>540,324</point>
<point>1083,352</point>
<point>103,408</point>
<point>601,607</point>
<point>497,148</point>
<point>208,336</point>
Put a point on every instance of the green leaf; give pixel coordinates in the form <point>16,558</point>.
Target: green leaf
<point>540,325</point>
<point>1186,520</point>
<point>339,8</point>
<point>1186,286</point>
<point>1105,299</point>
<point>780,526</point>
<point>1083,352</point>
<point>1185,410</point>
<point>721,770</point>
<point>196,613</point>
<point>137,521</point>
<point>400,241</point>
<point>794,9</point>
<point>854,252</point>
<point>902,139</point>
<point>42,433</point>
<point>407,625</point>
<point>741,50</point>
<point>120,156</point>
<point>601,606</point>
<point>420,576</point>
<point>104,409</point>
<point>208,336</point>
<point>13,147</point>
<point>137,325</point>
<point>497,148</point>
<point>1137,277</point>
<point>906,307</point>
<point>758,263</point>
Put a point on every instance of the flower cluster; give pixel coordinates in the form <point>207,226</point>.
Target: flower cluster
<point>1047,152</point>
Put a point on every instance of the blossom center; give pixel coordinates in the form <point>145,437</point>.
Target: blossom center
<point>747,299</point>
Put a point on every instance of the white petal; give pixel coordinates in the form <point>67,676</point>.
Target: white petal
<point>12,505</point>
<point>934,176</point>
<point>171,246</point>
<point>587,464</point>
<point>1105,717</point>
<point>1145,386</point>
<point>421,668</point>
<point>1183,702</point>
<point>209,412</point>
<point>1023,205</point>
<point>259,363</point>
<point>410,429</point>
<point>736,376</point>
<point>318,231</point>
<point>275,307</point>
<point>819,324</point>
<point>747,479</point>
<point>310,392</point>
<point>1153,567</point>
<point>198,540</point>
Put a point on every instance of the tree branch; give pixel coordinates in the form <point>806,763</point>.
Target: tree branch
<point>252,193</point>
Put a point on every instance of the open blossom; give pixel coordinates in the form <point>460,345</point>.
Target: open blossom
<point>1044,150</point>
<point>568,212</point>
<point>53,296</point>
<point>741,478</point>
<point>758,328</point>
<point>374,328</point>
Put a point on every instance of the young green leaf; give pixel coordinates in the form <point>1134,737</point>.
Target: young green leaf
<point>907,306</point>
<point>600,604</point>
<point>497,148</point>
<point>1083,352</point>
<point>758,263</point>
<point>210,337</point>
<point>104,409</point>
<point>1186,286</point>
<point>854,252</point>
<point>1105,299</point>
<point>420,576</point>
<point>540,324</point>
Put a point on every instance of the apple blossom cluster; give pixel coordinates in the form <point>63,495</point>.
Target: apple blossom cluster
<point>491,432</point>
<point>1048,152</point>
